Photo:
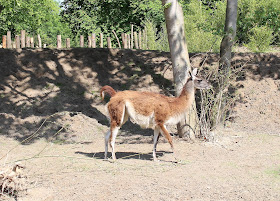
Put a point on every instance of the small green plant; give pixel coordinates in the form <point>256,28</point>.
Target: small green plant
<point>274,172</point>
<point>260,38</point>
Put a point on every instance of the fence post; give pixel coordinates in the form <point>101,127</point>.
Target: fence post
<point>93,41</point>
<point>4,41</point>
<point>27,41</point>
<point>109,42</point>
<point>101,40</point>
<point>32,42</point>
<point>131,38</point>
<point>136,40</point>
<point>22,38</point>
<point>128,41</point>
<point>9,40</point>
<point>13,44</point>
<point>81,41</point>
<point>67,42</point>
<point>124,41</point>
<point>89,41</point>
<point>39,41</point>
<point>140,39</point>
<point>58,41</point>
<point>17,42</point>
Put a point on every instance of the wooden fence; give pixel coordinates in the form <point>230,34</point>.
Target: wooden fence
<point>134,40</point>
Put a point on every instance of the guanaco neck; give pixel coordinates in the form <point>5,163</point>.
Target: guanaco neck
<point>181,103</point>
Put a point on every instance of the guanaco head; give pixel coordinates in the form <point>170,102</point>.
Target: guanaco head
<point>199,82</point>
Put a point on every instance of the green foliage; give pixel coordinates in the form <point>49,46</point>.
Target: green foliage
<point>156,38</point>
<point>203,27</point>
<point>151,31</point>
<point>162,41</point>
<point>36,17</point>
<point>104,16</point>
<point>260,38</point>
<point>204,21</point>
<point>258,13</point>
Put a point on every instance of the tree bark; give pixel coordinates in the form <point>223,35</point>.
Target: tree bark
<point>230,33</point>
<point>225,55</point>
<point>179,52</point>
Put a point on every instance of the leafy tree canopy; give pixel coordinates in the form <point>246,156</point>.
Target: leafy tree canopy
<point>107,15</point>
<point>36,17</point>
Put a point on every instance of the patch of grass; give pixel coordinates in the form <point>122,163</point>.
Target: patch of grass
<point>275,172</point>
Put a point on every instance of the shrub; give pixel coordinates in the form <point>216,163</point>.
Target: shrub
<point>260,38</point>
<point>202,27</point>
<point>259,13</point>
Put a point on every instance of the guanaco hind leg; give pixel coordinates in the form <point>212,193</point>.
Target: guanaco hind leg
<point>156,137</point>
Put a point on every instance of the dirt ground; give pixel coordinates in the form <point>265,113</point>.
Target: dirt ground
<point>52,120</point>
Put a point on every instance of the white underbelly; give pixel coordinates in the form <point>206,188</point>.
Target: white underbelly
<point>175,119</point>
<point>142,120</point>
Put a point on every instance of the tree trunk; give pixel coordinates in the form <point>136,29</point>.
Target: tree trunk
<point>178,48</point>
<point>225,54</point>
<point>230,33</point>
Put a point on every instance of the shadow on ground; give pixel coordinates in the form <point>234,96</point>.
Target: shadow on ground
<point>35,84</point>
<point>124,155</point>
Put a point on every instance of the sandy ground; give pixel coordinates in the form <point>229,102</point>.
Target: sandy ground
<point>64,158</point>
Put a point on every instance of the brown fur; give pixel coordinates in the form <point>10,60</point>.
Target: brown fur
<point>107,89</point>
<point>155,109</point>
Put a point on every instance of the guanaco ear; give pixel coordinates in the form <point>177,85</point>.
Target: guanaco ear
<point>194,72</point>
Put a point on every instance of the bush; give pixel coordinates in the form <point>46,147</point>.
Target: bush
<point>260,38</point>
<point>150,29</point>
<point>258,13</point>
<point>203,27</point>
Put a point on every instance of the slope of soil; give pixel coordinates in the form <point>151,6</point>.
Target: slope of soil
<point>52,96</point>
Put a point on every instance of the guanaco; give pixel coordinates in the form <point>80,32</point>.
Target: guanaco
<point>149,110</point>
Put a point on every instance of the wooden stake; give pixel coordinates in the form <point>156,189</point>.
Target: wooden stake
<point>131,39</point>
<point>117,39</point>
<point>125,40</point>
<point>101,40</point>
<point>109,42</point>
<point>81,41</point>
<point>93,40</point>
<point>89,41</point>
<point>123,43</point>
<point>136,40</point>
<point>13,44</point>
<point>32,42</point>
<point>128,41</point>
<point>22,38</point>
<point>4,41</point>
<point>27,41</point>
<point>17,42</point>
<point>9,40</point>
<point>67,42</point>
<point>140,40</point>
<point>58,41</point>
<point>39,41</point>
